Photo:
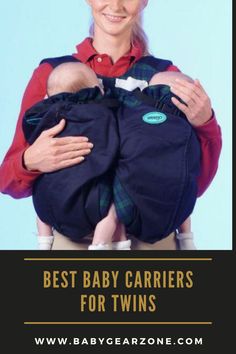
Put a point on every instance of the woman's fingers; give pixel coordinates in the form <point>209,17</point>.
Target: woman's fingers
<point>70,147</point>
<point>69,162</point>
<point>48,154</point>
<point>72,155</point>
<point>189,100</point>
<point>188,87</point>
<point>69,155</point>
<point>187,94</point>
<point>182,107</point>
<point>198,105</point>
<point>197,82</point>
<point>56,129</point>
<point>64,140</point>
<point>70,140</point>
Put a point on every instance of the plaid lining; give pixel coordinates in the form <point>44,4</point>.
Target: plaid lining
<point>123,204</point>
<point>105,197</point>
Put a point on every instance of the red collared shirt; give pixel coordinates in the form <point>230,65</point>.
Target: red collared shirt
<point>16,181</point>
<point>102,63</point>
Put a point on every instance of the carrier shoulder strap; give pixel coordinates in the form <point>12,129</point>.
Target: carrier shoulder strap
<point>155,63</point>
<point>54,62</point>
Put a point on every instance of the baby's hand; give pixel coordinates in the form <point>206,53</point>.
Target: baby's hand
<point>198,105</point>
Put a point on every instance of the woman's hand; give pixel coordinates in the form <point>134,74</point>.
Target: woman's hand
<point>48,154</point>
<point>198,110</point>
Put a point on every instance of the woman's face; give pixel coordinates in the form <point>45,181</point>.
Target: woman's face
<point>116,17</point>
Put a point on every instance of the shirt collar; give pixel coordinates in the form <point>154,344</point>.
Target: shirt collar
<point>85,51</point>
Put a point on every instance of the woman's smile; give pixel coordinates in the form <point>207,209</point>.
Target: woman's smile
<point>114,18</point>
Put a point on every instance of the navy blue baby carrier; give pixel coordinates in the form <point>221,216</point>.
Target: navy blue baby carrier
<point>158,164</point>
<point>73,200</point>
<point>153,167</point>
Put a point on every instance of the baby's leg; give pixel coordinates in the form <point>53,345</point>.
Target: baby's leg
<point>185,236</point>
<point>120,241</point>
<point>107,230</point>
<point>186,226</point>
<point>119,234</point>
<point>45,236</point>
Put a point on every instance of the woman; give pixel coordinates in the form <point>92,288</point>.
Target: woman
<point>118,42</point>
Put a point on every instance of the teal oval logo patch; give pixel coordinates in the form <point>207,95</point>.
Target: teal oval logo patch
<point>154,118</point>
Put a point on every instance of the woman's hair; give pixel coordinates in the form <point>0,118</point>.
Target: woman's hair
<point>138,35</point>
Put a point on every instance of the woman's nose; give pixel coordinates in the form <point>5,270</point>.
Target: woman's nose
<point>116,5</point>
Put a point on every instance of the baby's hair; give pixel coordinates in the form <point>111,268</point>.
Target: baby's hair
<point>70,77</point>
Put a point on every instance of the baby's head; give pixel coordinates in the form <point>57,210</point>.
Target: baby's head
<point>168,77</point>
<point>70,77</point>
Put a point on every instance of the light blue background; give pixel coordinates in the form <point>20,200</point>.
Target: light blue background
<point>195,35</point>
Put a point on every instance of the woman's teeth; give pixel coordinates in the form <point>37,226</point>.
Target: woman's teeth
<point>114,18</point>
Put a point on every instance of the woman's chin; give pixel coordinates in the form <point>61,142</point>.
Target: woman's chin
<point>115,30</point>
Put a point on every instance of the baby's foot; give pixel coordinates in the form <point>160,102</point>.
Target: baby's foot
<point>186,241</point>
<point>45,242</point>
<point>121,245</point>
<point>100,247</point>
